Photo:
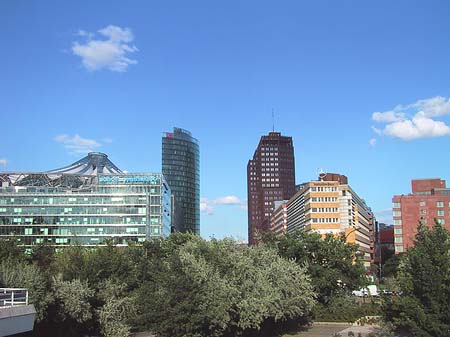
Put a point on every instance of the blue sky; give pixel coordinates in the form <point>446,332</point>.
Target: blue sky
<point>113,76</point>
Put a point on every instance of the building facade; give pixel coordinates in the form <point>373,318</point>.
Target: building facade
<point>64,207</point>
<point>181,168</point>
<point>270,177</point>
<point>278,221</point>
<point>428,202</point>
<point>330,206</point>
<point>384,243</point>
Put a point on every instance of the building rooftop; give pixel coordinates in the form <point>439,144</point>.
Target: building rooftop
<point>74,175</point>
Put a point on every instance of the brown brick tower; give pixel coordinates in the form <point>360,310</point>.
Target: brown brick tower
<point>270,177</point>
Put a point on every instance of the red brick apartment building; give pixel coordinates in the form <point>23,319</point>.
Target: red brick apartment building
<point>428,202</point>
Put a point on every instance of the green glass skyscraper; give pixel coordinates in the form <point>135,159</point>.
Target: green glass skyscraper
<point>181,168</point>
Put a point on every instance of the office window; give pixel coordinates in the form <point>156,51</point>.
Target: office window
<point>440,212</point>
<point>440,204</point>
<point>396,205</point>
<point>422,203</point>
<point>398,239</point>
<point>423,211</point>
<point>397,230</point>
<point>440,221</point>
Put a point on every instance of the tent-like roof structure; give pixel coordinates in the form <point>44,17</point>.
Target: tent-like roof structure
<point>94,163</point>
<point>75,175</point>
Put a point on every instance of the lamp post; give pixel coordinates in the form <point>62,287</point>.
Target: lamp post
<point>354,229</point>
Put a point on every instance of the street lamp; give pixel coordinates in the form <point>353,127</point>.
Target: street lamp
<point>353,229</point>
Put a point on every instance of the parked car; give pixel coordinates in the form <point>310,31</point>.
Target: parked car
<point>371,290</point>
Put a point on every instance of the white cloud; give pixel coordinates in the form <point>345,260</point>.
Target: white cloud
<point>376,130</point>
<point>418,127</point>
<point>228,200</point>
<point>388,116</point>
<point>208,206</point>
<point>110,53</point>
<point>384,215</point>
<point>414,121</point>
<point>77,144</point>
<point>3,162</point>
<point>372,142</point>
<point>432,107</point>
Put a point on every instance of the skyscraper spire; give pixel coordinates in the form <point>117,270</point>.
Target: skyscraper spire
<point>273,120</point>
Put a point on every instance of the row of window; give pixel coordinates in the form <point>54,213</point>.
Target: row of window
<point>26,200</point>
<point>324,199</point>
<point>270,185</point>
<point>30,240</point>
<point>424,221</point>
<point>323,189</point>
<point>80,210</point>
<point>80,231</point>
<point>270,179</point>
<point>55,220</point>
<point>439,204</point>
<point>325,220</point>
<point>324,210</point>
<point>269,154</point>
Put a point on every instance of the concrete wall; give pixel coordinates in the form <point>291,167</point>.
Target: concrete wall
<point>14,320</point>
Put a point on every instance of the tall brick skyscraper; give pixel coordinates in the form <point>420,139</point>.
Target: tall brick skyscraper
<point>270,177</point>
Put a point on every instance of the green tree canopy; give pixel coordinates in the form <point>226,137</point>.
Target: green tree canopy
<point>424,279</point>
<point>334,266</point>
<point>217,288</point>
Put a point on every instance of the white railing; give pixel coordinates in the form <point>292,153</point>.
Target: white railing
<point>11,297</point>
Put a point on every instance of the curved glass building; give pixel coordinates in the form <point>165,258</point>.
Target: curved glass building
<point>181,168</point>
<point>84,203</point>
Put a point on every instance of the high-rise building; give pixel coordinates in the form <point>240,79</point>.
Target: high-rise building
<point>330,206</point>
<point>428,202</point>
<point>181,167</point>
<point>270,177</point>
<point>84,203</point>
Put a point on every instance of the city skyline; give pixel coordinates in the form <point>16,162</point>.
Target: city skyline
<point>362,89</point>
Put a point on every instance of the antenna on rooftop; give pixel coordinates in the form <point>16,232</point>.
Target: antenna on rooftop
<point>322,173</point>
<point>273,120</point>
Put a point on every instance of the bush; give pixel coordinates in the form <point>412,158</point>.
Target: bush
<point>344,309</point>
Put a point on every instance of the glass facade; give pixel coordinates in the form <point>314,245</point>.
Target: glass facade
<point>181,168</point>
<point>64,209</point>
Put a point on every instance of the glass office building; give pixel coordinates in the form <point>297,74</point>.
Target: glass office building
<point>181,167</point>
<point>64,207</point>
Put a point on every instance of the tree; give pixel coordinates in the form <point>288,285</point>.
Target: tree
<point>15,274</point>
<point>334,265</point>
<point>390,266</point>
<point>218,288</point>
<point>9,250</point>
<point>43,255</point>
<point>424,279</point>
<point>73,300</point>
<point>117,311</point>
